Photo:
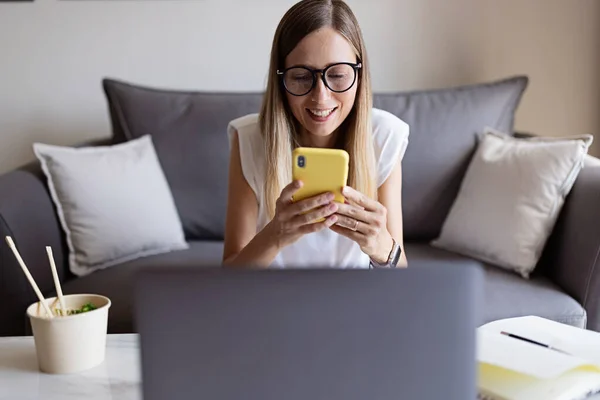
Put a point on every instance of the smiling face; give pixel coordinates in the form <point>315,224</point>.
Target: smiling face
<point>322,111</point>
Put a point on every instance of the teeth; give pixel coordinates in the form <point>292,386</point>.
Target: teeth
<point>322,113</point>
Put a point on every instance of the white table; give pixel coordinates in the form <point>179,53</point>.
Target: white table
<point>117,378</point>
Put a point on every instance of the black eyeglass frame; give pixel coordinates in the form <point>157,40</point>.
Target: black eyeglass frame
<point>323,72</point>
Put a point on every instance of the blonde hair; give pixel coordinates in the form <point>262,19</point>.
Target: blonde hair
<point>277,123</point>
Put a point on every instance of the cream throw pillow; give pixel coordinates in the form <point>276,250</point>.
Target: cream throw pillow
<point>510,198</point>
<point>113,202</point>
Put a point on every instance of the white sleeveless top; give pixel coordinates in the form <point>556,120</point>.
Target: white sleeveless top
<point>325,248</point>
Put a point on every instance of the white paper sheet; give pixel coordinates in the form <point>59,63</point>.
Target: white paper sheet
<point>526,358</point>
<point>578,342</point>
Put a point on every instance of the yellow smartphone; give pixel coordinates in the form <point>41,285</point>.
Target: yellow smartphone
<point>320,170</point>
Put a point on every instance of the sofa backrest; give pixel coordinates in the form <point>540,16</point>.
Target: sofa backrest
<point>189,132</point>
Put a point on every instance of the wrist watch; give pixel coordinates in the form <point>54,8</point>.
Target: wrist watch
<point>393,257</point>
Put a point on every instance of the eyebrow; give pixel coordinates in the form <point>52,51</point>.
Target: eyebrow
<point>327,65</point>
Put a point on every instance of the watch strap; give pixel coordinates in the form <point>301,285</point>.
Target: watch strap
<point>393,257</point>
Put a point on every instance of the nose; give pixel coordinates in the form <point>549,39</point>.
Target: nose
<point>320,93</point>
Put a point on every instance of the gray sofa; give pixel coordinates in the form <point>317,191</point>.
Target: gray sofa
<point>189,133</point>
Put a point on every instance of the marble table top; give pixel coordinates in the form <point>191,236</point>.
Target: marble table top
<point>117,378</point>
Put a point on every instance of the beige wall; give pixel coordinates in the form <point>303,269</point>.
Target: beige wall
<point>54,54</point>
<point>557,43</point>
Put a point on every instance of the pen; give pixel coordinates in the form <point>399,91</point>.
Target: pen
<point>533,342</point>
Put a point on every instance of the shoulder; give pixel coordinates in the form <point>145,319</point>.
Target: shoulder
<point>248,134</point>
<point>251,151</point>
<point>246,125</point>
<point>390,140</point>
<point>388,126</point>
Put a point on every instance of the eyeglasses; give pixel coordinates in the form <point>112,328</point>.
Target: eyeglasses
<point>339,77</point>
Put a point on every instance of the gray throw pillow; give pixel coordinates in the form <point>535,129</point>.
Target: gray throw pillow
<point>113,203</point>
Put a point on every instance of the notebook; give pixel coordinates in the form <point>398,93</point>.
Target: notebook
<point>514,369</point>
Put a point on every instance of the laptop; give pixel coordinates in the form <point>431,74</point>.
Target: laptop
<point>310,334</point>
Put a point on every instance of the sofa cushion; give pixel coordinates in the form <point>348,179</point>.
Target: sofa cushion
<point>190,134</point>
<point>189,130</point>
<point>507,294</point>
<point>117,283</point>
<point>444,126</point>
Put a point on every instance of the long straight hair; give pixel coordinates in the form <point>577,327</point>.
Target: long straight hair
<point>277,123</point>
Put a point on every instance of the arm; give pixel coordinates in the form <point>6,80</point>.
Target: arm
<point>390,196</point>
<point>572,255</point>
<point>27,214</point>
<point>243,246</point>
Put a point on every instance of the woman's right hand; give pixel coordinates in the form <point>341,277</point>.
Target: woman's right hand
<point>289,223</point>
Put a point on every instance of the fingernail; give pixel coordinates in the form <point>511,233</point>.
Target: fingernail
<point>333,207</point>
<point>298,183</point>
<point>345,190</point>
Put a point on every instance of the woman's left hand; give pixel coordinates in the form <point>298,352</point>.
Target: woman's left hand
<point>364,221</point>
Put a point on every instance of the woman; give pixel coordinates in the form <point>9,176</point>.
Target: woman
<point>318,95</point>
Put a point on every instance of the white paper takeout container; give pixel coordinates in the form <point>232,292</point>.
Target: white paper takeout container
<point>73,343</point>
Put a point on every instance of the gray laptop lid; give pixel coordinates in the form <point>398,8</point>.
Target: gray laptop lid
<point>309,334</point>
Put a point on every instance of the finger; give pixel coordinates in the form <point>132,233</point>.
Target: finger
<point>312,216</point>
<point>360,199</point>
<point>352,235</point>
<point>310,203</point>
<point>355,225</point>
<point>318,226</point>
<point>355,212</point>
<point>347,201</point>
<point>352,202</point>
<point>349,223</point>
<point>289,190</point>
